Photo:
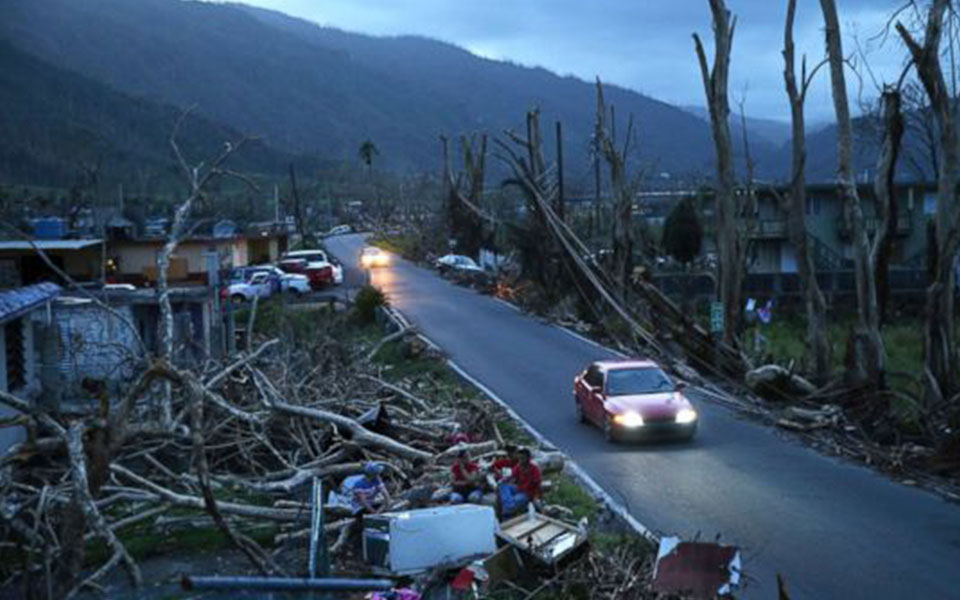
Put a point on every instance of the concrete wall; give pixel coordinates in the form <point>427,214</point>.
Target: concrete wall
<point>13,435</point>
<point>93,343</point>
<point>134,257</point>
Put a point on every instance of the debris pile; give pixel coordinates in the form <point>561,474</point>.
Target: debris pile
<point>244,444</point>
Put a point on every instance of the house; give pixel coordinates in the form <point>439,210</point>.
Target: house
<point>21,262</point>
<point>134,260</point>
<point>830,232</point>
<point>25,313</point>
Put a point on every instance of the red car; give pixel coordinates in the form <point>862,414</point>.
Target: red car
<point>633,398</point>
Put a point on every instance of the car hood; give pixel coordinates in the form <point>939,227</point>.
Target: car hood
<point>649,405</point>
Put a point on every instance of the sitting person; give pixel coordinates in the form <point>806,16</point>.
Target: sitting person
<point>503,466</point>
<point>466,480</point>
<point>366,492</point>
<point>522,487</point>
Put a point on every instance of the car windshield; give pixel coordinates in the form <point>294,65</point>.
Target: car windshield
<point>626,382</point>
<point>371,251</point>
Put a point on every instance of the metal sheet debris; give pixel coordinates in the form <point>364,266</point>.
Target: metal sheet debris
<point>697,569</point>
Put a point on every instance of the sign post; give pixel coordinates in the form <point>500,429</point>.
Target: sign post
<point>716,318</point>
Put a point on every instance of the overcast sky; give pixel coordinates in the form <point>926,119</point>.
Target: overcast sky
<point>645,45</point>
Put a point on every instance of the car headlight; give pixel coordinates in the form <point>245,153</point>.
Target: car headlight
<point>686,415</point>
<point>629,419</point>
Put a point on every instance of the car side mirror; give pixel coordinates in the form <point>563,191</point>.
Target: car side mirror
<point>681,385</point>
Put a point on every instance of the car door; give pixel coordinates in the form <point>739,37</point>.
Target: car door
<point>592,398</point>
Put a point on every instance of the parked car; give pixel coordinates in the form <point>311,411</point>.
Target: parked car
<point>457,262</point>
<point>295,283</point>
<point>257,285</point>
<point>633,398</point>
<point>463,269</point>
<point>318,268</point>
<point>240,274</point>
<point>292,265</point>
<point>340,230</point>
<point>371,257</point>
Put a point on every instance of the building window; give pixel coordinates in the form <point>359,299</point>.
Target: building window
<point>16,360</point>
<point>929,204</point>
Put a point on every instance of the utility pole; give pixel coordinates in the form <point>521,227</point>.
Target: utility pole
<point>561,201</point>
<point>276,203</point>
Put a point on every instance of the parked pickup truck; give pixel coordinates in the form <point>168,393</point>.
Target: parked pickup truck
<point>258,285</point>
<point>315,265</point>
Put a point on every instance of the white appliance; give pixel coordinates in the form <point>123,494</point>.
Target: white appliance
<point>417,540</point>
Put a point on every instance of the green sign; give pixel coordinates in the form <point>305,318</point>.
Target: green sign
<point>716,317</point>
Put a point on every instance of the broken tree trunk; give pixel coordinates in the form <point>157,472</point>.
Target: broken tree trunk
<point>817,343</point>
<point>731,250</point>
<point>940,348</point>
<point>867,309</point>
<point>885,197</point>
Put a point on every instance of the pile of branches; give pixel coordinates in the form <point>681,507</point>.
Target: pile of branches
<point>246,440</point>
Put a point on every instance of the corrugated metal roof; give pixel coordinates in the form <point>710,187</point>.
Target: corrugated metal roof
<point>47,244</point>
<point>16,302</point>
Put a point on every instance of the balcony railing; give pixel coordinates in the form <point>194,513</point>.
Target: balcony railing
<point>770,229</point>
<point>871,224</point>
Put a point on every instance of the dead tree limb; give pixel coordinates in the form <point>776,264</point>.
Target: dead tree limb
<point>818,345</point>
<point>869,319</point>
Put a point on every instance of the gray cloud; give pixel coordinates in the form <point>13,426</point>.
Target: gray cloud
<point>645,45</point>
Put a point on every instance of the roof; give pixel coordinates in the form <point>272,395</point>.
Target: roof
<point>18,301</point>
<point>627,363</point>
<point>48,244</point>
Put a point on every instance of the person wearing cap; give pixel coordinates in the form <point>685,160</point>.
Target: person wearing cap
<point>522,487</point>
<point>466,480</point>
<point>366,492</point>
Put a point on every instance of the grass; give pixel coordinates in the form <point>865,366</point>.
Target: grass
<point>903,341</point>
<point>567,492</point>
<point>142,541</point>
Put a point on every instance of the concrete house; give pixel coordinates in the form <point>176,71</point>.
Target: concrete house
<point>25,315</point>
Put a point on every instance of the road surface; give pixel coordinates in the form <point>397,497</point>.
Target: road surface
<point>834,530</point>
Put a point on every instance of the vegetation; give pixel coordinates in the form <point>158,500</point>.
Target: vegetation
<point>683,232</point>
<point>368,300</point>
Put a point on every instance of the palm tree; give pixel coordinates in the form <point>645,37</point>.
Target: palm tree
<point>367,151</point>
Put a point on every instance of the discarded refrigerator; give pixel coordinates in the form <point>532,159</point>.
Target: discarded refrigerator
<point>416,540</point>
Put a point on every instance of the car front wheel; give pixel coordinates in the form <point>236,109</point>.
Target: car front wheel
<point>238,298</point>
<point>609,431</point>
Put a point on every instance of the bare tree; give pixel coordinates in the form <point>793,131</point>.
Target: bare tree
<point>817,342</point>
<point>623,190</point>
<point>884,194</point>
<point>731,249</point>
<point>198,177</point>
<point>870,363</point>
<point>940,369</point>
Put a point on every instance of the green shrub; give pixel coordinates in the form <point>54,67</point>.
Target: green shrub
<point>368,300</point>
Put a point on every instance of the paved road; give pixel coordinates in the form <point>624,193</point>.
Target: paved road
<point>834,530</point>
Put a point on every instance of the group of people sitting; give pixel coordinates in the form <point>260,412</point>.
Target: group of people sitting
<point>515,479</point>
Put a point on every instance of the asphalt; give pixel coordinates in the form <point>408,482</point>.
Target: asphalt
<point>833,529</point>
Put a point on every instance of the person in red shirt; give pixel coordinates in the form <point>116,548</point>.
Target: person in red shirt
<point>503,463</point>
<point>466,480</point>
<point>523,487</point>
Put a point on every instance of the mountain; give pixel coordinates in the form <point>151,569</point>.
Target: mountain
<point>307,89</point>
<point>772,131</point>
<point>56,123</point>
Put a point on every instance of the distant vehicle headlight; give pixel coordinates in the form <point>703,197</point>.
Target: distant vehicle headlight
<point>629,419</point>
<point>686,415</point>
